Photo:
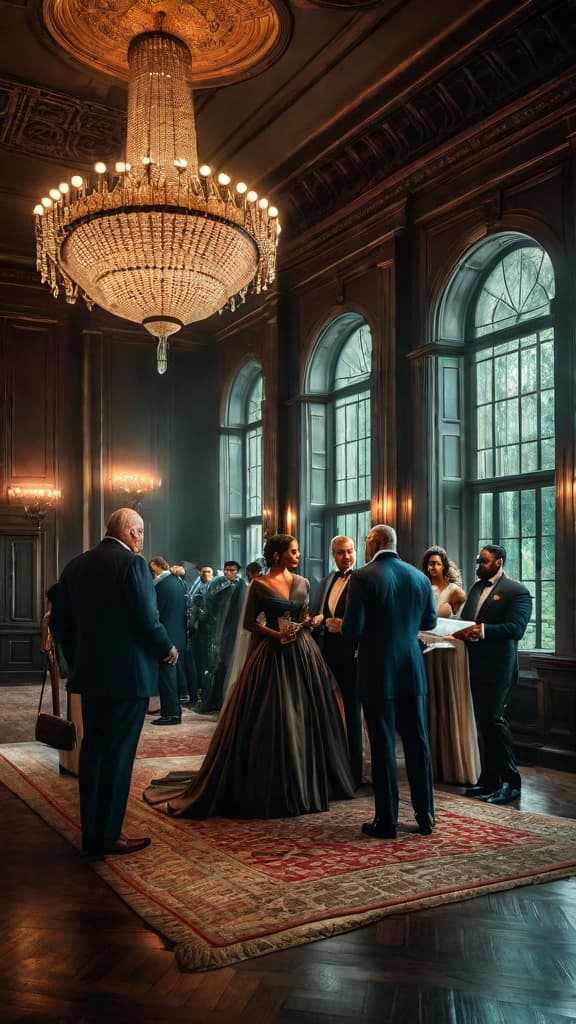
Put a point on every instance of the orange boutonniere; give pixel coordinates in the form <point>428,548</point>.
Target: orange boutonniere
<point>497,597</point>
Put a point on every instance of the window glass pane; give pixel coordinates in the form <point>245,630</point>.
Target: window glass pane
<point>520,287</point>
<point>355,360</point>
<point>254,410</point>
<point>254,472</point>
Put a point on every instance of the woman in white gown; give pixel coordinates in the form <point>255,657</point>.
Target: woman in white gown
<point>453,739</point>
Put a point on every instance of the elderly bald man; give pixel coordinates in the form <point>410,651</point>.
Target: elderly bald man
<point>105,615</point>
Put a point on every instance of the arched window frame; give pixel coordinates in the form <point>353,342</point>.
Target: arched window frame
<point>241,466</point>
<point>332,501</point>
<point>516,507</point>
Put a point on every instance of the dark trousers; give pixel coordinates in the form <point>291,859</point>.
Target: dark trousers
<point>345,672</point>
<point>111,732</point>
<point>497,756</point>
<point>168,691</point>
<point>409,715</point>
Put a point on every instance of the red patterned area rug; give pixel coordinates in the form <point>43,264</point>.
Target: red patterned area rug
<point>191,737</point>
<point>222,891</point>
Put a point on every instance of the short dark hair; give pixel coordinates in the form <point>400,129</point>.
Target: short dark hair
<point>160,562</point>
<point>254,568</point>
<point>277,545</point>
<point>495,549</point>
<point>228,565</point>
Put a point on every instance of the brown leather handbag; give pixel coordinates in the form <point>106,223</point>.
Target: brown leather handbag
<point>53,730</point>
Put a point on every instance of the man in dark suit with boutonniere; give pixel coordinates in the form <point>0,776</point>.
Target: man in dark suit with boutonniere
<point>501,608</point>
<point>106,617</point>
<point>340,651</point>
<point>389,601</point>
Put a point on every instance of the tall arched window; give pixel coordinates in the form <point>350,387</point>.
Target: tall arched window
<point>504,294</point>
<point>241,477</point>
<point>337,440</point>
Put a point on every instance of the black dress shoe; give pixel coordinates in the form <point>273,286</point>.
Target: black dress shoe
<point>122,847</point>
<point>167,720</point>
<point>480,790</point>
<point>425,826</point>
<point>504,795</point>
<point>378,830</point>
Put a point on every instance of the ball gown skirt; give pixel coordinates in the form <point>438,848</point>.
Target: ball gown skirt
<point>279,748</point>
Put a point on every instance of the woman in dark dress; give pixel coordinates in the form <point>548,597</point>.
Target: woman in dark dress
<point>279,749</point>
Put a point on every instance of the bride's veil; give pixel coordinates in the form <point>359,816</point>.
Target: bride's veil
<point>242,648</point>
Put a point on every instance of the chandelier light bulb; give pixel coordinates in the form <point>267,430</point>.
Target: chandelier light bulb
<point>55,194</point>
<point>76,181</point>
<point>120,167</point>
<point>263,204</point>
<point>100,168</point>
<point>181,163</point>
<point>38,210</point>
<point>146,160</point>
<point>224,179</point>
<point>64,187</point>
<point>205,171</point>
<point>46,202</point>
<point>252,196</point>
<point>272,212</point>
<point>241,188</point>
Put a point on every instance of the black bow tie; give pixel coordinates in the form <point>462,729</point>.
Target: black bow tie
<point>343,575</point>
<point>485,583</point>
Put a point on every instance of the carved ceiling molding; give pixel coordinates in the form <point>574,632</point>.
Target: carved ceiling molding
<point>56,126</point>
<point>402,183</point>
<point>538,49</point>
<point>229,41</point>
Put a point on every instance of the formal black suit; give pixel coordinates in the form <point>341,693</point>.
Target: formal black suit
<point>106,617</point>
<point>493,662</point>
<point>172,611</point>
<point>340,655</point>
<point>388,603</point>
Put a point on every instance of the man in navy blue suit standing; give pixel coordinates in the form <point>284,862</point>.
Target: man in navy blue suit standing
<point>388,603</point>
<point>106,618</point>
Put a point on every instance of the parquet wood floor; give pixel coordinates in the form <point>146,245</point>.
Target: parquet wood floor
<point>72,953</point>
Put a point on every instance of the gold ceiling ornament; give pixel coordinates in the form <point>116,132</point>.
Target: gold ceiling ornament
<point>230,39</point>
<point>160,241</point>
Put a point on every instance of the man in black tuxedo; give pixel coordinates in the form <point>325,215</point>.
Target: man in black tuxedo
<point>501,607</point>
<point>340,651</point>
<point>388,603</point>
<point>106,617</point>
<point>171,599</point>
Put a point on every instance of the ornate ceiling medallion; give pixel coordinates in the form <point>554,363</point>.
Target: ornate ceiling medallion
<point>229,39</point>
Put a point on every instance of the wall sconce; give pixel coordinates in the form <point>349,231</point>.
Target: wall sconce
<point>135,487</point>
<point>268,528</point>
<point>290,520</point>
<point>35,501</point>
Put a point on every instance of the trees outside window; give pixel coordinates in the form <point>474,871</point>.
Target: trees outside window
<point>336,466</point>
<point>241,467</point>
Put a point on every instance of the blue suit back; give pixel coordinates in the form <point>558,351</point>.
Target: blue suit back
<point>389,601</point>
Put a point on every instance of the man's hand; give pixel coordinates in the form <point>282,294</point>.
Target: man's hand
<point>334,625</point>
<point>316,621</point>
<point>172,656</point>
<point>469,633</point>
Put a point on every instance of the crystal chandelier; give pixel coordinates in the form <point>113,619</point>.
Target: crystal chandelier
<point>162,241</point>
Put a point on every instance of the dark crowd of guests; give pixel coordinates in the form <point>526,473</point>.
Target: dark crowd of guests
<point>290,733</point>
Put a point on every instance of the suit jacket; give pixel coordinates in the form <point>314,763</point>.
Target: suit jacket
<point>106,617</point>
<point>332,645</point>
<point>505,614</point>
<point>171,599</point>
<point>388,603</point>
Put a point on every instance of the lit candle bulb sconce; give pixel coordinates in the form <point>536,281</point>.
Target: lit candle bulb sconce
<point>290,520</point>
<point>36,502</point>
<point>134,487</point>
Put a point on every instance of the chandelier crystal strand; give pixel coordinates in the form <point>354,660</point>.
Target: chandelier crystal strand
<point>161,241</point>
